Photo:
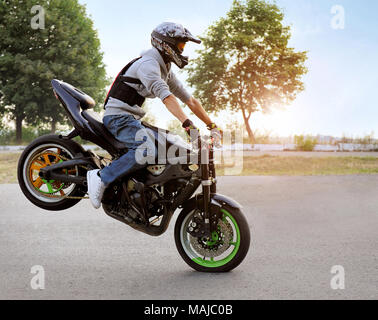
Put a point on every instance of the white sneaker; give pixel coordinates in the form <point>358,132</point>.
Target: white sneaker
<point>96,188</point>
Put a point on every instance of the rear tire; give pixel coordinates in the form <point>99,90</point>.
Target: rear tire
<point>49,195</point>
<point>229,257</point>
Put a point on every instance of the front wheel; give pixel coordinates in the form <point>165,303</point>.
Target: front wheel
<point>223,251</point>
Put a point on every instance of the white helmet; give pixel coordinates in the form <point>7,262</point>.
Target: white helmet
<point>170,39</point>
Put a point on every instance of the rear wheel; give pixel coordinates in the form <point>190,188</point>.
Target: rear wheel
<point>49,194</point>
<point>223,251</point>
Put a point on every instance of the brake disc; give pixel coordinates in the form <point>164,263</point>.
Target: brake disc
<point>214,247</point>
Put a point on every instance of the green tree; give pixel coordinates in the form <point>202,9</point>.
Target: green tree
<point>246,64</point>
<point>149,117</point>
<point>175,127</point>
<point>66,47</point>
<point>305,143</point>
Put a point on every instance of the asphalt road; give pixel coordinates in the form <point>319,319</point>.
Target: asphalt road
<point>301,228</point>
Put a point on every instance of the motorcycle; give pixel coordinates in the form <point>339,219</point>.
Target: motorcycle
<point>211,233</point>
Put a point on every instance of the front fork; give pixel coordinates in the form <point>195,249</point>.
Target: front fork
<point>208,180</point>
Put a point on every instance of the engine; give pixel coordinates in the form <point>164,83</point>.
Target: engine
<point>146,199</point>
<point>152,201</point>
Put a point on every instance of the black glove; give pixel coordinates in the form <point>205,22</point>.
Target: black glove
<point>191,130</point>
<point>216,134</point>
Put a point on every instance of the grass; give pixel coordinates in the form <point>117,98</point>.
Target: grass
<point>269,165</point>
<point>8,167</point>
<point>266,165</point>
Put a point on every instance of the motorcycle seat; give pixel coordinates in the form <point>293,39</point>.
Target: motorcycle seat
<point>86,102</point>
<point>98,127</point>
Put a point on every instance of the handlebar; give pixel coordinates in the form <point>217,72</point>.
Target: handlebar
<point>206,140</point>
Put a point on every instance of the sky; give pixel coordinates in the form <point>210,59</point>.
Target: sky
<point>340,96</point>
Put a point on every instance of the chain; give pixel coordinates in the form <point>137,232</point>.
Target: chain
<point>64,197</point>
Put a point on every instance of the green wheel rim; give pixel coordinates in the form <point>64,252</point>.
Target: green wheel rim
<point>49,185</point>
<point>218,263</point>
<point>50,188</point>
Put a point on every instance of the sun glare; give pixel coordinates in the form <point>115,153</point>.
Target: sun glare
<point>280,122</point>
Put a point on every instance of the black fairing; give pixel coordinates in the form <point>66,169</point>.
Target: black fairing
<point>86,102</point>
<point>74,101</point>
<point>225,201</point>
<point>218,200</point>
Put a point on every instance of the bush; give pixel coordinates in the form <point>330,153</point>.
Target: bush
<point>368,139</point>
<point>8,136</point>
<point>305,143</point>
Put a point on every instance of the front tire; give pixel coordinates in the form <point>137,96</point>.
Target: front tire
<point>49,195</point>
<point>224,252</point>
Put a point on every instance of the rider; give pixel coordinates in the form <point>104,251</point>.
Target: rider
<point>149,76</point>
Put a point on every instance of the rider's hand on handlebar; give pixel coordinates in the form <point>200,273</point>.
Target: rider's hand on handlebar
<point>216,134</point>
<point>191,130</point>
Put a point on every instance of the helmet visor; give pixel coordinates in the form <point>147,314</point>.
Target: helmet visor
<point>181,46</point>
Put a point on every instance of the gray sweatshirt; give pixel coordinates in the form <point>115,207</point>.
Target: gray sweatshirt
<point>157,81</point>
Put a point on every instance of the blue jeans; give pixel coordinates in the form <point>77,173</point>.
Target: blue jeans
<point>128,130</point>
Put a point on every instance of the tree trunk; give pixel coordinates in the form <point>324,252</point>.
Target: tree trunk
<point>250,132</point>
<point>19,129</point>
<point>53,127</point>
<point>248,127</point>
